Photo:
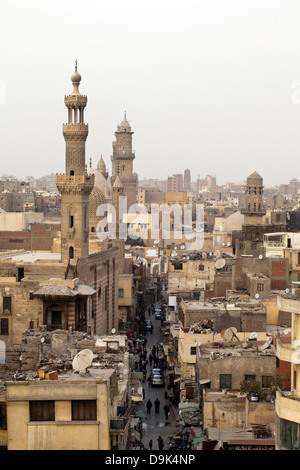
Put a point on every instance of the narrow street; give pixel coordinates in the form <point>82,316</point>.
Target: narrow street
<point>155,425</point>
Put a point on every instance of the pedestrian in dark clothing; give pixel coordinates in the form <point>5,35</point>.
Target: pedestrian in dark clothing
<point>150,359</point>
<point>160,443</point>
<point>149,381</point>
<point>153,350</point>
<point>149,406</point>
<point>156,404</point>
<point>150,444</point>
<point>143,394</point>
<point>167,411</point>
<point>149,311</point>
<point>151,329</point>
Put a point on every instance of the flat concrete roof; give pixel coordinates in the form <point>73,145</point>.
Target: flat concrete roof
<point>30,256</point>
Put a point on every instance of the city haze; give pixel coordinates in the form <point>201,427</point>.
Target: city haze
<point>209,86</point>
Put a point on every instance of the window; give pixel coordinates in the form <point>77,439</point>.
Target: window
<point>225,380</point>
<point>298,257</point>
<point>4,326</point>
<point>260,287</point>
<point>71,252</point>
<point>6,304</point>
<point>41,410</point>
<point>84,410</point>
<point>177,265</point>
<point>267,381</point>
<point>121,293</point>
<point>201,267</point>
<point>20,274</point>
<point>250,377</point>
<point>3,421</point>
<point>71,221</point>
<point>193,350</point>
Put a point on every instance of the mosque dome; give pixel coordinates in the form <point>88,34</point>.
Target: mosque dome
<point>101,182</point>
<point>95,200</point>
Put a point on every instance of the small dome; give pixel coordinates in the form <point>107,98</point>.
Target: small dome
<point>124,126</point>
<point>76,77</point>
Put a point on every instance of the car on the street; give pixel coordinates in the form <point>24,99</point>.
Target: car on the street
<point>149,325</point>
<point>158,314</point>
<point>157,381</point>
<point>156,371</point>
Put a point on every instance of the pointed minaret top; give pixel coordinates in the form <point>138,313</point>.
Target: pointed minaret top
<point>118,183</point>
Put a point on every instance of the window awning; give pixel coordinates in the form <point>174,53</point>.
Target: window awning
<point>204,381</point>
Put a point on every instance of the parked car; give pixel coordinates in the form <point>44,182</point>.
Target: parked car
<point>149,325</point>
<point>158,315</point>
<point>157,381</point>
<point>156,371</point>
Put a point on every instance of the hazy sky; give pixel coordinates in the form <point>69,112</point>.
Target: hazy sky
<point>213,85</point>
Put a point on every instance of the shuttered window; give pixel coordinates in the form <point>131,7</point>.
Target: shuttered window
<point>84,410</point>
<point>4,326</point>
<point>42,410</point>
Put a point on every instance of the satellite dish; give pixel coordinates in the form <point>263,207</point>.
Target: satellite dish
<point>113,331</point>
<point>253,335</point>
<point>82,360</point>
<point>257,296</point>
<point>286,332</point>
<point>220,263</point>
<point>42,339</point>
<point>230,333</point>
<point>228,243</point>
<point>260,257</point>
<point>182,247</point>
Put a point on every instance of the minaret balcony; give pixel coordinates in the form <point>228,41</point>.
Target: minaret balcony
<point>75,183</point>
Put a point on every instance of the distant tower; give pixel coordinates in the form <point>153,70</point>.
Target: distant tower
<point>187,180</point>
<point>117,192</point>
<point>122,161</point>
<point>75,186</point>
<point>102,168</point>
<point>253,209</point>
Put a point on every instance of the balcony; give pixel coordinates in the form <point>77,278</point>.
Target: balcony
<point>289,303</point>
<point>287,406</point>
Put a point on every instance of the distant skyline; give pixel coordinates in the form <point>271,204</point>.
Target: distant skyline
<point>213,86</point>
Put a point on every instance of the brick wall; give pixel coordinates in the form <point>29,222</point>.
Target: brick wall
<point>40,237</point>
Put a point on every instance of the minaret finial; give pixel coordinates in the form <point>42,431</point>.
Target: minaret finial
<point>75,65</point>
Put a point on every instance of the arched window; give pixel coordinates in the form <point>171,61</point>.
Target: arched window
<point>72,173</point>
<point>71,252</point>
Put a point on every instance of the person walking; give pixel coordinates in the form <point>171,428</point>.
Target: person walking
<point>160,443</point>
<point>149,406</point>
<point>156,404</point>
<point>149,381</point>
<point>150,444</point>
<point>150,359</point>
<point>167,411</point>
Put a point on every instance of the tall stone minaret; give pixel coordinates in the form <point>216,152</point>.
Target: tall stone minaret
<point>122,161</point>
<point>75,186</point>
<point>254,209</point>
<point>117,193</point>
